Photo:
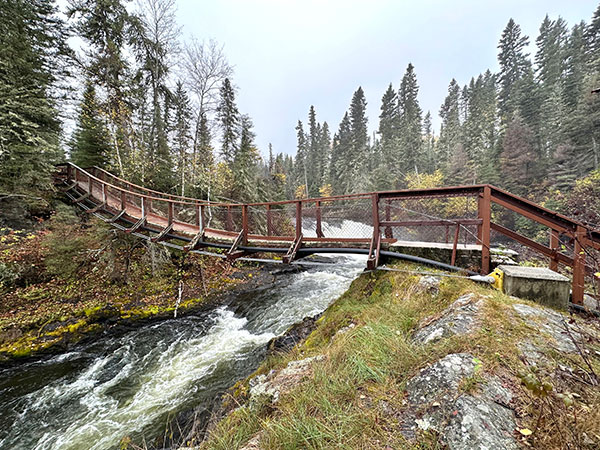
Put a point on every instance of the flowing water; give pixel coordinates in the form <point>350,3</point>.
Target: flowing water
<point>133,384</point>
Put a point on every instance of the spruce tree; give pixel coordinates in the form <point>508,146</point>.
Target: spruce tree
<point>324,153</point>
<point>244,167</point>
<point>513,66</point>
<point>32,46</point>
<point>104,26</point>
<point>518,157</point>
<point>353,176</point>
<point>592,40</point>
<point>450,132</point>
<point>429,159</point>
<point>90,141</point>
<point>313,159</point>
<point>388,126</point>
<point>340,155</point>
<point>182,135</point>
<point>575,68</point>
<point>300,166</point>
<point>409,157</point>
<point>549,59</point>
<point>229,121</point>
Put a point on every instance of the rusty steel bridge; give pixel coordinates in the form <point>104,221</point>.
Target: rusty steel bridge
<point>456,218</point>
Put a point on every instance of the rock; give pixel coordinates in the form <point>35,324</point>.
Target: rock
<point>293,335</point>
<point>591,303</point>
<point>105,313</point>
<point>463,421</point>
<point>531,353</point>
<point>275,383</point>
<point>439,382</point>
<point>12,334</point>
<point>480,424</point>
<point>459,318</point>
<point>343,330</point>
<point>429,284</point>
<point>553,323</point>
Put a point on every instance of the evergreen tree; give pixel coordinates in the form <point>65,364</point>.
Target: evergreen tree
<point>154,35</point>
<point>549,59</point>
<point>245,181</point>
<point>104,26</point>
<point>410,157</point>
<point>592,39</point>
<point>518,157</point>
<point>324,153</point>
<point>271,160</point>
<point>429,159</point>
<point>229,121</point>
<point>583,128</point>
<point>388,126</point>
<point>182,135</point>
<point>450,133</point>
<point>90,141</point>
<point>513,66</point>
<point>488,167</point>
<point>574,67</point>
<point>300,166</point>
<point>563,172</point>
<point>313,159</point>
<point>32,45</point>
<point>340,155</point>
<point>353,177</point>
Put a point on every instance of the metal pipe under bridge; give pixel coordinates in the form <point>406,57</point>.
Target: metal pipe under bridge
<point>458,220</point>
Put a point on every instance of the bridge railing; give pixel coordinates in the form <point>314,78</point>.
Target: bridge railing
<point>478,215</point>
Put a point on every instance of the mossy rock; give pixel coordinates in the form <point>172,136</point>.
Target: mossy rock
<point>102,313</point>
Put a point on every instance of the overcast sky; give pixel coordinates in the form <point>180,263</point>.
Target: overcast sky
<point>291,54</point>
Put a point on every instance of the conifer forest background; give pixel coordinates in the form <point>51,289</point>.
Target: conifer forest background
<point>162,112</point>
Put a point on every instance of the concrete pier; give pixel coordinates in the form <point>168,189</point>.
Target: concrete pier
<point>539,284</point>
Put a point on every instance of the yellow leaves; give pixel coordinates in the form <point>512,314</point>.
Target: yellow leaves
<point>525,431</point>
<point>300,192</point>
<point>425,180</point>
<point>326,190</point>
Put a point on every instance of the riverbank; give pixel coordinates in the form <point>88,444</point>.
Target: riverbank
<point>408,361</point>
<point>128,387</point>
<point>74,278</point>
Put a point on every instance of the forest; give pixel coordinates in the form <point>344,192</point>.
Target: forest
<point>162,112</point>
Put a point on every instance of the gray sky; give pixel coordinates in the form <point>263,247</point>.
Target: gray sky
<point>289,54</point>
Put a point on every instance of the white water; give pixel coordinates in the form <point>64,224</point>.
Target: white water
<point>129,386</point>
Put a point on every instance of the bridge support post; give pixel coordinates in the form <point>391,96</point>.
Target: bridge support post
<point>578,267</point>
<point>388,218</point>
<point>455,245</point>
<point>229,220</point>
<point>244,224</point>
<point>554,242</point>
<point>484,213</point>
<point>170,213</point>
<point>375,248</point>
<point>269,223</point>
<point>319,229</point>
<point>298,220</point>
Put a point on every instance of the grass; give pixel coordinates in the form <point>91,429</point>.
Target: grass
<point>368,366</point>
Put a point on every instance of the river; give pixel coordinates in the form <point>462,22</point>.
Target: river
<point>135,384</point>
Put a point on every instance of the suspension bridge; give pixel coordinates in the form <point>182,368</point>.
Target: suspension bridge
<point>455,220</point>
